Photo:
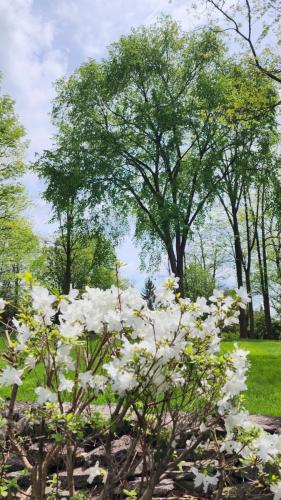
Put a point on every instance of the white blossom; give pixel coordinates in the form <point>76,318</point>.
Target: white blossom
<point>276,489</point>
<point>63,357</point>
<point>23,336</point>
<point>42,302</point>
<point>217,296</point>
<point>86,379</point>
<point>93,472</point>
<point>244,297</point>
<point>204,479</point>
<point>266,446</point>
<point>45,395</point>
<point>30,362</point>
<point>155,350</point>
<point>65,384</point>
<point>11,376</point>
<point>69,330</point>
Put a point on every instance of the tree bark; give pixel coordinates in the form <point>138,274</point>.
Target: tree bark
<point>250,305</point>
<point>180,273</point>
<point>239,270</point>
<point>176,262</point>
<point>68,255</point>
<point>251,239</point>
<point>262,260</point>
<point>266,299</point>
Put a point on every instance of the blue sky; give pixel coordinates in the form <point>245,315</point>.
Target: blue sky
<point>42,40</point>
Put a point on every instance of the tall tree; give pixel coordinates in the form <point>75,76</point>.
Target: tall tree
<point>92,263</point>
<point>198,282</point>
<point>144,121</point>
<point>148,293</point>
<point>82,231</point>
<point>12,147</point>
<point>209,245</point>
<point>247,143</point>
<point>19,246</point>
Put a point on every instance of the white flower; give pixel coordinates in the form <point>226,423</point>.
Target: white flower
<point>164,296</point>
<point>65,384</point>
<point>239,419</point>
<point>93,472</point>
<point>23,336</point>
<point>11,376</point>
<point>267,446</point>
<point>42,302</point>
<point>231,446</point>
<point>228,302</point>
<point>2,304</point>
<point>44,394</point>
<point>30,362</point>
<point>202,305</point>
<point>63,357</point>
<point>276,489</point>
<point>122,380</point>
<point>235,384</point>
<point>125,381</point>
<point>41,297</point>
<point>69,331</point>
<point>204,479</point>
<point>217,296</point>
<point>244,297</point>
<point>231,320</point>
<point>99,383</point>
<point>86,379</point>
<point>203,427</point>
<point>73,293</point>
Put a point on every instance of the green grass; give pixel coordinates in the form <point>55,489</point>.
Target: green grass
<point>34,379</point>
<point>264,376</point>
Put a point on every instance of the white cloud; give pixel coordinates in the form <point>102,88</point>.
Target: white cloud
<point>42,40</point>
<point>30,63</point>
<point>94,24</point>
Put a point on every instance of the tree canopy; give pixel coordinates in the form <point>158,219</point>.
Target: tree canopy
<point>144,123</point>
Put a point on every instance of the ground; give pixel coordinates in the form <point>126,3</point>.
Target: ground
<point>264,379</point>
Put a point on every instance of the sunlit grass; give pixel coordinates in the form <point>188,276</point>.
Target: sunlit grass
<point>32,380</point>
<point>264,377</point>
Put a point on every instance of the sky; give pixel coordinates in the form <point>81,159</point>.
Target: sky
<point>43,40</point>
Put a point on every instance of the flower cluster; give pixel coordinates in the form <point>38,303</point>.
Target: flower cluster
<point>110,342</point>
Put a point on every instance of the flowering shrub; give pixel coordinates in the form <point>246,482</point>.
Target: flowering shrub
<point>153,366</point>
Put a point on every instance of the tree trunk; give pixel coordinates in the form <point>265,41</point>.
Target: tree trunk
<point>177,266</point>
<point>38,484</point>
<point>239,271</point>
<point>266,300</point>
<point>180,272</point>
<point>250,305</point>
<point>69,462</point>
<point>17,283</point>
<point>262,260</point>
<point>68,254</point>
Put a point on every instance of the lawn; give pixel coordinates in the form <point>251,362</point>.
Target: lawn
<point>264,379</point>
<point>35,378</point>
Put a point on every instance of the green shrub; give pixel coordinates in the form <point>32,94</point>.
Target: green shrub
<point>230,335</point>
<point>260,327</point>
